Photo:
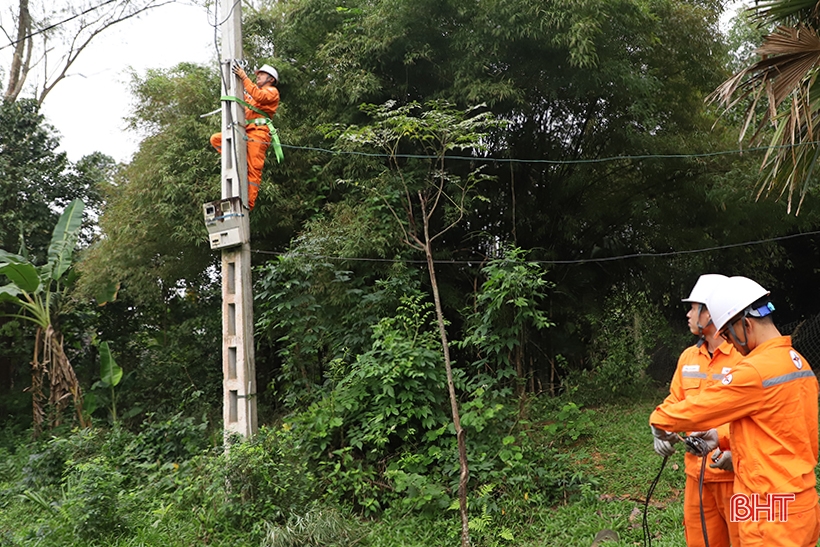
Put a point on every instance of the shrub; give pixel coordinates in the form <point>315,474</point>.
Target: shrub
<point>92,491</point>
<point>626,335</point>
<point>315,528</point>
<point>266,478</point>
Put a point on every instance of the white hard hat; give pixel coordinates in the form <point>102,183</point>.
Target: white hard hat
<point>704,287</point>
<point>731,297</point>
<point>267,69</point>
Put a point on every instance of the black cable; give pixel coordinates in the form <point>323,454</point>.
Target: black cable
<point>698,447</point>
<point>700,493</point>
<point>647,538</point>
<point>479,260</point>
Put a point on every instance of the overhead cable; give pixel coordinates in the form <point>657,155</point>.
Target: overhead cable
<point>552,262</point>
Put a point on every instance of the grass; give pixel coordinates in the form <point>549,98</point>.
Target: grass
<point>615,465</point>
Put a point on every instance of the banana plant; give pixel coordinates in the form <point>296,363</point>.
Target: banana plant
<point>38,291</point>
<point>110,376</point>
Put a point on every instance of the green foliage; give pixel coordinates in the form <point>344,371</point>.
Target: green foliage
<point>315,528</point>
<point>38,289</point>
<point>507,313</point>
<point>630,329</point>
<point>319,315</point>
<point>392,395</point>
<point>570,424</point>
<point>425,196</point>
<point>267,477</point>
<point>110,377</point>
<point>123,489</point>
<point>36,181</point>
<point>172,355</point>
<point>393,391</point>
<point>91,499</point>
<point>155,242</point>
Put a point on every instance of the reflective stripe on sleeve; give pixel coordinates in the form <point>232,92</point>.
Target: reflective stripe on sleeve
<point>796,375</point>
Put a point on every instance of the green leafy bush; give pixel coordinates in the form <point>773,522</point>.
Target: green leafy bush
<point>626,334</point>
<point>92,498</point>
<point>266,478</point>
<point>315,528</point>
<point>568,424</point>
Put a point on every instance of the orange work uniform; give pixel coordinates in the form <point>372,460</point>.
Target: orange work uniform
<point>697,370</point>
<point>770,401</point>
<point>265,99</point>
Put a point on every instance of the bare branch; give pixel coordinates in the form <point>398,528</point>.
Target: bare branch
<point>71,27</point>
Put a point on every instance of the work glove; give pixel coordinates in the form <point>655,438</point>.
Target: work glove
<point>664,441</point>
<point>722,460</point>
<point>708,442</point>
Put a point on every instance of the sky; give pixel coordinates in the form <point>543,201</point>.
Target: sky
<point>89,105</point>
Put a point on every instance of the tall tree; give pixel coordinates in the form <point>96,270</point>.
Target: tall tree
<point>155,240</point>
<point>426,199</point>
<point>606,118</point>
<point>36,183</point>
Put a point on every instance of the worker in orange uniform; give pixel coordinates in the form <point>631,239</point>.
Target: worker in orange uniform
<point>700,366</point>
<point>769,400</point>
<point>262,96</point>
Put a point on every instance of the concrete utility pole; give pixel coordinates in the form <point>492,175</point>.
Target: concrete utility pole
<point>238,366</point>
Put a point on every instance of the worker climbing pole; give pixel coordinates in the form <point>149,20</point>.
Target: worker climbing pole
<point>262,102</point>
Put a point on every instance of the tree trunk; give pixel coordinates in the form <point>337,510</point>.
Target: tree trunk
<point>461,435</point>
<point>50,358</point>
<point>37,397</point>
<point>22,48</point>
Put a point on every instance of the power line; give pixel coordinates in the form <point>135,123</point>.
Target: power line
<point>493,159</point>
<point>553,262</point>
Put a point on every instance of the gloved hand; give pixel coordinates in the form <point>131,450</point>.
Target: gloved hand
<point>239,71</point>
<point>664,441</point>
<point>722,460</point>
<point>709,442</point>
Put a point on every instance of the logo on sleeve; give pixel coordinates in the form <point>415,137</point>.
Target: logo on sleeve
<point>726,380</point>
<point>798,362</point>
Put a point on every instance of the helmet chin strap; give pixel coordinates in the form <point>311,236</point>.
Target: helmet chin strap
<point>731,330</point>
<point>701,327</point>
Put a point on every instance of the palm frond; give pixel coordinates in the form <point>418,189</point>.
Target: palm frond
<point>769,12</point>
<point>785,76</point>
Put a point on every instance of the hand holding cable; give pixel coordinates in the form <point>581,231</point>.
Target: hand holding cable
<point>700,443</point>
<point>722,460</point>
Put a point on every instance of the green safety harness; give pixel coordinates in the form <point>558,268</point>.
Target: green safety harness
<point>264,120</point>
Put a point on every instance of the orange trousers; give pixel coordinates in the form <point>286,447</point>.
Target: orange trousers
<point>716,496</point>
<point>258,142</point>
<point>799,530</point>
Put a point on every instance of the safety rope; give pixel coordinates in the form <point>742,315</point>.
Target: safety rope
<point>266,119</point>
